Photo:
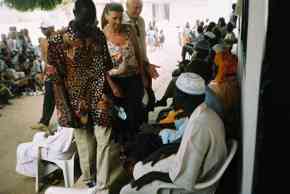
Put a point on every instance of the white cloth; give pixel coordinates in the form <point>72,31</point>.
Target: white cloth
<point>56,146</point>
<point>11,44</point>
<point>209,34</point>
<point>63,190</point>
<point>191,83</point>
<point>202,151</point>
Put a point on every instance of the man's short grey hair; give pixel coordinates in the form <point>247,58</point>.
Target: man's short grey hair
<point>128,1</point>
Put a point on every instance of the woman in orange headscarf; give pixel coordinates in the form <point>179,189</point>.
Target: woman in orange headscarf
<point>225,84</point>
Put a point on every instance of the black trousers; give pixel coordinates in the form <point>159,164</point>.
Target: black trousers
<point>48,103</point>
<point>133,89</point>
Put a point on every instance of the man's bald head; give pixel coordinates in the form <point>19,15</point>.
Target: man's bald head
<point>134,8</point>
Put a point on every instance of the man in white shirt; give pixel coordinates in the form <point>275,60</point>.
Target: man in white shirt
<point>199,155</point>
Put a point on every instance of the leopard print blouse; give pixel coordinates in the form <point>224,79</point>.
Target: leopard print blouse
<point>81,65</point>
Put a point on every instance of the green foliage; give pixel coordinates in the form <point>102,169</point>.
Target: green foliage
<point>29,5</point>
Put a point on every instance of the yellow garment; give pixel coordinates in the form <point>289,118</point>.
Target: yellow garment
<point>227,65</point>
<point>170,117</point>
<point>225,84</point>
<point>228,91</point>
<point>218,60</point>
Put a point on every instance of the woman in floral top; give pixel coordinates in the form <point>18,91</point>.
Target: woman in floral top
<point>128,69</point>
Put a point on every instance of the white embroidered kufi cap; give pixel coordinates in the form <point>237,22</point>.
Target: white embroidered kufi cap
<point>191,83</point>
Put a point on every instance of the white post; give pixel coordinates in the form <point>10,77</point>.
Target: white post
<point>257,28</point>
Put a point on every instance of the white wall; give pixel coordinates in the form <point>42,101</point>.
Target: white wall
<point>181,12</point>
<point>217,8</point>
<point>186,10</point>
<point>147,12</point>
<point>257,26</point>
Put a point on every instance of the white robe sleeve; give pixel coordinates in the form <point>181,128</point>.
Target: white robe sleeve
<point>59,142</point>
<point>187,165</point>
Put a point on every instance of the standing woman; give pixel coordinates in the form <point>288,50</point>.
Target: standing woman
<point>128,69</point>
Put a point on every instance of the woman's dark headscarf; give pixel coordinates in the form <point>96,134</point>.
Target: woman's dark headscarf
<point>85,18</point>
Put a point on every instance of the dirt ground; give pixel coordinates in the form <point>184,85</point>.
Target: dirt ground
<point>14,129</point>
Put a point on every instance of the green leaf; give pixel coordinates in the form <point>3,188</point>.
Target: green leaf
<point>29,5</point>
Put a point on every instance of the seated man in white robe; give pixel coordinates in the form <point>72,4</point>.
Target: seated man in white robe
<point>55,146</point>
<point>197,157</point>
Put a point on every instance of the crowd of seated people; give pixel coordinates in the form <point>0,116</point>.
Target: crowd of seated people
<point>214,32</point>
<point>20,66</point>
<point>213,60</point>
<point>186,145</point>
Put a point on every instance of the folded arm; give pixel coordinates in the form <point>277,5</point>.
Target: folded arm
<point>163,152</point>
<point>150,177</point>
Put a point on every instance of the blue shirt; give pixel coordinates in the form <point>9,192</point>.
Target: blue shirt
<point>213,101</point>
<point>170,135</point>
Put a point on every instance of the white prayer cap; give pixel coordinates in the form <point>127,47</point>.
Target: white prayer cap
<point>209,34</point>
<point>191,83</point>
<point>46,24</point>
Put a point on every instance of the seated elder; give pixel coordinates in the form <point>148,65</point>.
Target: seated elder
<point>199,155</point>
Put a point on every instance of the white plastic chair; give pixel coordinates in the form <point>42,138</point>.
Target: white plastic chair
<point>210,185</point>
<point>47,166</point>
